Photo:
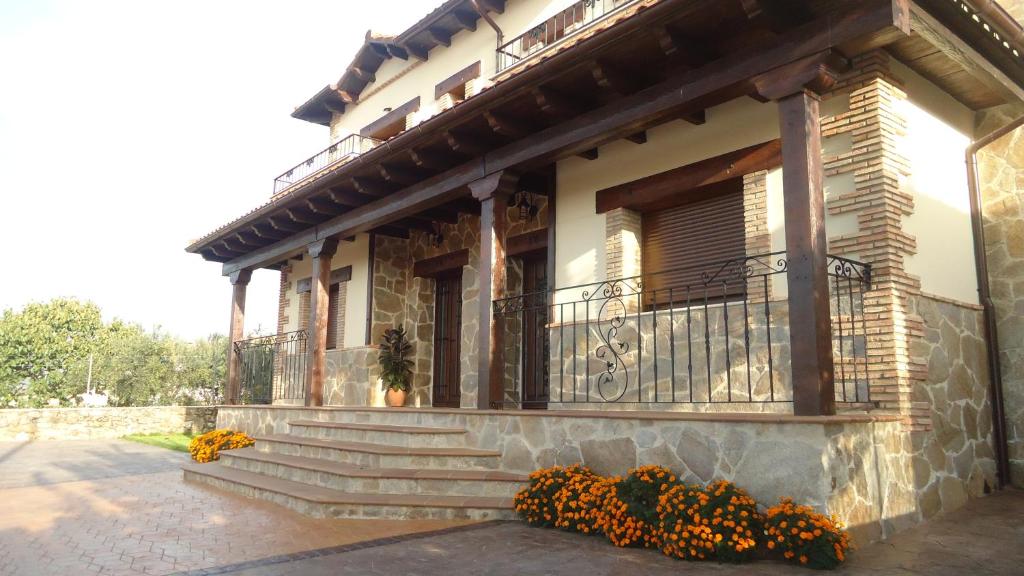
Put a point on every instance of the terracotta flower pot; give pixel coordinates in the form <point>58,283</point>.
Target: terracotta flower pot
<point>395,398</point>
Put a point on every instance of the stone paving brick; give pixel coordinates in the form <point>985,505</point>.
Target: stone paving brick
<point>113,508</point>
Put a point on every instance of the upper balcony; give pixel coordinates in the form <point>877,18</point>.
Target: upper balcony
<point>334,155</point>
<point>569,22</point>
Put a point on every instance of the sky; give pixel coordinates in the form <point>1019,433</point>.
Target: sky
<point>130,127</point>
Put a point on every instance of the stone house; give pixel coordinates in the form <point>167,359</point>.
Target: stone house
<point>710,235</point>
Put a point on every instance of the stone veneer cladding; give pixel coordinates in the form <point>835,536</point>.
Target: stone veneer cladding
<point>1001,171</point>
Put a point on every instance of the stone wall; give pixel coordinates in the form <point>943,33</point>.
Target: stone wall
<point>952,449</point>
<point>99,423</point>
<point>351,377</point>
<point>1001,171</point>
<point>856,467</point>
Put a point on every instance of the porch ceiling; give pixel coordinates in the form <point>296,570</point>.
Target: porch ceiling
<point>665,60</point>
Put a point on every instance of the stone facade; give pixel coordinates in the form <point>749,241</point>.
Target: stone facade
<point>1001,171</point>
<point>102,423</point>
<point>953,456</point>
<point>855,467</point>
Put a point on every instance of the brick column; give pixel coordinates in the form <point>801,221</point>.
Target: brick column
<point>493,193</point>
<point>239,283</point>
<point>321,252</point>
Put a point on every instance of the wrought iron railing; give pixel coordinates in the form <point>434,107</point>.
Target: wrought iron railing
<point>719,334</point>
<point>341,151</point>
<point>566,23</point>
<point>272,367</point>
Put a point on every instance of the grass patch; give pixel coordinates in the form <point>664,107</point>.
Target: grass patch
<point>178,442</point>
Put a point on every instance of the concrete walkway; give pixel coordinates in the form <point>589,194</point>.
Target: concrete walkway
<point>115,507</point>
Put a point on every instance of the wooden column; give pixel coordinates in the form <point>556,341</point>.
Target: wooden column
<point>810,330</point>
<point>493,193</point>
<point>239,283</point>
<point>321,252</point>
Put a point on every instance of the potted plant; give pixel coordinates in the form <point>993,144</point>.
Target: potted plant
<point>395,365</point>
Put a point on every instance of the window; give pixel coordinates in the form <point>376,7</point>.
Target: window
<point>684,241</point>
<point>453,89</point>
<point>336,296</point>
<point>392,123</point>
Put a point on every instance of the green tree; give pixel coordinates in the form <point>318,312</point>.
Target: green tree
<point>39,344</point>
<point>45,352</point>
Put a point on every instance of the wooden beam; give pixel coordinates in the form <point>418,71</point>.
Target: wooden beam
<point>609,77</point>
<point>429,160</point>
<point>505,125</point>
<point>439,36</point>
<point>638,138</point>
<point>236,332</point>
<point>438,265</point>
<point>554,103</point>
<point>321,252</point>
<point>463,144</point>
<point>466,20</point>
<point>416,52</point>
<point>324,207</point>
<point>591,154</point>
<point>650,192</point>
<point>719,81</point>
<point>398,52</point>
<point>979,67</point>
<point>370,187</point>
<point>347,198</point>
<point>300,216</point>
<point>392,231</point>
<point>493,192</point>
<point>810,328</point>
<point>267,232</point>
<point>397,175</point>
<point>247,239</point>
<point>497,6</point>
<point>696,118</point>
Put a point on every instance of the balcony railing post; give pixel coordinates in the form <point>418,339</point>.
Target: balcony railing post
<point>239,282</point>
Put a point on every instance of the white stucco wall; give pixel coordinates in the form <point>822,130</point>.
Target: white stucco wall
<point>355,254</point>
<point>939,129</point>
<point>406,79</point>
<point>580,231</point>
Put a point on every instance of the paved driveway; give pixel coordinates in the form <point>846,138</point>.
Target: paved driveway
<point>116,507</point>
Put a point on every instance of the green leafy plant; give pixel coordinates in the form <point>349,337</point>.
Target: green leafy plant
<point>395,365</point>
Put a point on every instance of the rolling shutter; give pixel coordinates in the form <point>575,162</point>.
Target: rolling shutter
<point>684,241</point>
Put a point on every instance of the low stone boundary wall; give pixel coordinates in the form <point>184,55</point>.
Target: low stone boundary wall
<point>99,423</point>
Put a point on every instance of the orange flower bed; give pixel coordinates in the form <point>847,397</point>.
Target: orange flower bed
<point>649,507</point>
<point>207,447</point>
<point>805,536</point>
<point>536,503</point>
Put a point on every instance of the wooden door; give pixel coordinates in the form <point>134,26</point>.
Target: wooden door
<point>536,346</point>
<point>447,337</point>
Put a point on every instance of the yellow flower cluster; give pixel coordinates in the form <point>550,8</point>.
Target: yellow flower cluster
<point>650,507</point>
<point>805,536</point>
<point>537,503</point>
<point>206,447</point>
<point>718,521</point>
<point>629,515</point>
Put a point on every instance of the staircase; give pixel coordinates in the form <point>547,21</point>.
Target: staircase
<point>367,470</point>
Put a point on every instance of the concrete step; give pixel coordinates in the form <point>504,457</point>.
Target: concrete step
<point>390,434</point>
<point>371,455</point>
<point>327,503</point>
<point>352,478</point>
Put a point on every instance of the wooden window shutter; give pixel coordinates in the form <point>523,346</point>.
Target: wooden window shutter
<point>304,304</point>
<point>332,316</point>
<point>684,241</point>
